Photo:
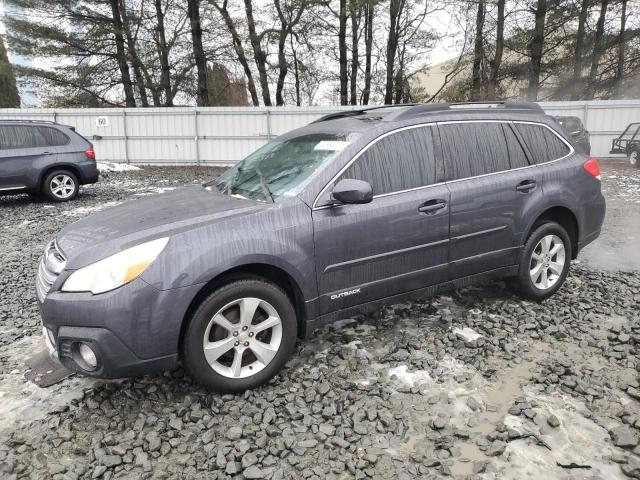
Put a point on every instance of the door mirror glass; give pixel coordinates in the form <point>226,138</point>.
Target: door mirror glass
<point>352,191</point>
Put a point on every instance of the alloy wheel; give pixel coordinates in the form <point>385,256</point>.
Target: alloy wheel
<point>242,338</point>
<point>62,186</point>
<point>547,262</point>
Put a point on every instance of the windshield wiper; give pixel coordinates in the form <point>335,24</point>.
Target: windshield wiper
<point>265,186</point>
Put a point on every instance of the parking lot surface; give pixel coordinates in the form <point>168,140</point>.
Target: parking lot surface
<point>475,383</point>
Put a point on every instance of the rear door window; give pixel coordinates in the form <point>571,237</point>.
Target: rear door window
<point>400,161</point>
<point>53,137</point>
<point>473,148</point>
<point>19,136</point>
<point>543,144</point>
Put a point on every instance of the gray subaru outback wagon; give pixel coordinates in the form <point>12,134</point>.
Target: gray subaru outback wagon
<point>356,210</point>
<point>44,158</point>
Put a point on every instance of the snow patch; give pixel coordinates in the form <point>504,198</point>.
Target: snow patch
<point>116,167</point>
<point>403,375</point>
<point>468,334</point>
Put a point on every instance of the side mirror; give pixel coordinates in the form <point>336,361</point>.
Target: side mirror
<point>352,191</point>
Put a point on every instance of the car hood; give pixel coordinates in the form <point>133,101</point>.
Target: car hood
<point>111,230</point>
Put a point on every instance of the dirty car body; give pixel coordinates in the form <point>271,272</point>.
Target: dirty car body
<point>410,201</point>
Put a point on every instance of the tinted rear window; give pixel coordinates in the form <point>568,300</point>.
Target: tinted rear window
<point>472,149</point>
<point>19,136</point>
<point>542,143</point>
<point>399,161</point>
<point>53,136</point>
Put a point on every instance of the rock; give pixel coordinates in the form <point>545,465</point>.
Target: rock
<point>234,433</point>
<point>473,404</point>
<point>553,421</point>
<point>624,437</point>
<point>111,460</point>
<point>232,468</point>
<point>438,423</point>
<point>496,448</point>
<point>253,472</point>
<point>249,459</point>
<point>631,469</point>
<point>175,423</point>
<point>98,471</point>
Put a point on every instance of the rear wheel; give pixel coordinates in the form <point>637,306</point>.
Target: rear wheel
<point>634,158</point>
<point>240,336</point>
<point>60,186</point>
<point>544,262</point>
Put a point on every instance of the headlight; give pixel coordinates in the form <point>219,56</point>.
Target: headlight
<point>116,270</point>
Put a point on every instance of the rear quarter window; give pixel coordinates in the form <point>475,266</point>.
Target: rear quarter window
<point>53,136</point>
<point>543,144</point>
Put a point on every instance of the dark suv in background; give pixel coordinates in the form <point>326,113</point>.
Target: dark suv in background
<point>356,210</point>
<point>574,127</point>
<point>46,158</point>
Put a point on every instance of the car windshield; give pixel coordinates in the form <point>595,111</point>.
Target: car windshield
<point>283,167</point>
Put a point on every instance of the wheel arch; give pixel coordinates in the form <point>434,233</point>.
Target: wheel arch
<point>565,217</point>
<point>72,168</point>
<point>264,271</point>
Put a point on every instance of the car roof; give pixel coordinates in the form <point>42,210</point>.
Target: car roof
<point>389,117</point>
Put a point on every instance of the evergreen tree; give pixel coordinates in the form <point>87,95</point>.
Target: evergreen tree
<point>9,97</point>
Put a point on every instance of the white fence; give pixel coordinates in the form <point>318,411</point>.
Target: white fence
<point>222,136</point>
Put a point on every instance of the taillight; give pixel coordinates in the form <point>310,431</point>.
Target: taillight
<point>90,153</point>
<point>592,167</point>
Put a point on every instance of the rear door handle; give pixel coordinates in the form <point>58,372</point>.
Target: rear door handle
<point>526,186</point>
<point>432,206</point>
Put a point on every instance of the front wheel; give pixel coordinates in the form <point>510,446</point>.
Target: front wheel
<point>544,262</point>
<point>240,336</point>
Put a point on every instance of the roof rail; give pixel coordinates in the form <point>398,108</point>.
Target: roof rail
<point>25,121</point>
<point>510,104</point>
<point>425,108</point>
<point>359,111</point>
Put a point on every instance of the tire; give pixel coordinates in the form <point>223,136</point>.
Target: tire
<point>60,186</point>
<point>634,158</point>
<point>555,274</point>
<point>220,370</point>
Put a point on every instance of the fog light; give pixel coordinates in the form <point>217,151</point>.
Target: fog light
<point>88,356</point>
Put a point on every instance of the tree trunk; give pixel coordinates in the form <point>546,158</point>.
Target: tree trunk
<point>165,71</point>
<point>395,8</point>
<point>399,80</point>
<point>239,49</point>
<point>478,53</point>
<point>121,54</point>
<point>535,48</point>
<point>598,47</point>
<point>283,68</point>
<point>579,52</point>
<point>497,59</point>
<point>296,74</point>
<point>356,12</point>
<point>342,47</point>
<point>133,54</point>
<point>617,91</point>
<point>193,9</point>
<point>258,54</point>
<point>368,46</point>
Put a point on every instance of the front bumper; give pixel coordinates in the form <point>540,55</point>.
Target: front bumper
<point>133,330</point>
<point>114,358</point>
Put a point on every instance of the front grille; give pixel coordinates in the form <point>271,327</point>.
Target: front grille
<point>51,264</point>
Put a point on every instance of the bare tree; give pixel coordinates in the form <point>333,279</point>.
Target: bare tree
<point>536,46</point>
<point>193,8</point>
<point>598,48</point>
<point>621,58</point>
<point>121,53</point>
<point>478,53</point>
<point>496,61</point>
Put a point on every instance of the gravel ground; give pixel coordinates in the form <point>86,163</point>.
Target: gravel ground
<point>472,384</point>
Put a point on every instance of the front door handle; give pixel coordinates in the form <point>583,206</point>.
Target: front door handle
<point>526,186</point>
<point>432,206</point>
